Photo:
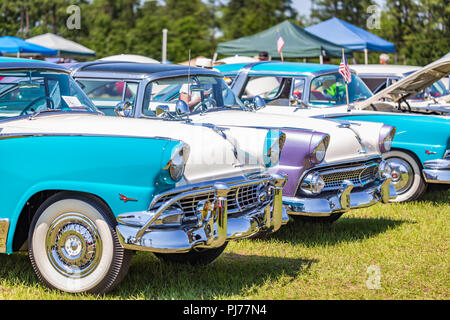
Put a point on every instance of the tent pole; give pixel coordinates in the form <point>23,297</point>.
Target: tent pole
<point>164,46</point>
<point>366,56</point>
<point>321,59</point>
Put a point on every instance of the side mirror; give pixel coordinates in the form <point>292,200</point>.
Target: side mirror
<point>162,110</point>
<point>181,108</point>
<point>293,101</point>
<point>124,109</point>
<point>258,102</point>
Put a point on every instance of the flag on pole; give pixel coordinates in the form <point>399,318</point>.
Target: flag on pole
<point>280,42</point>
<point>344,69</point>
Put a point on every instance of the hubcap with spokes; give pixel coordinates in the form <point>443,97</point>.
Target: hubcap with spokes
<point>73,245</point>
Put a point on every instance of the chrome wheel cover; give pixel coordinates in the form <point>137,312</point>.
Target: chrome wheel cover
<point>73,245</point>
<point>402,174</point>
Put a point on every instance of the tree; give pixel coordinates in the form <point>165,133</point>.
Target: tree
<point>352,11</point>
<point>246,17</point>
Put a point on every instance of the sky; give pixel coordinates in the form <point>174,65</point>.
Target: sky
<point>304,6</point>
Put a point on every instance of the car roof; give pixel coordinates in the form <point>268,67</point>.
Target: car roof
<point>135,68</point>
<point>278,66</point>
<point>380,69</point>
<point>7,63</point>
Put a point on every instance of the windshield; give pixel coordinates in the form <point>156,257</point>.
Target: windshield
<point>201,93</point>
<point>25,92</point>
<point>329,90</point>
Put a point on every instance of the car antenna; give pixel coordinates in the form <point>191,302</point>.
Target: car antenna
<point>189,77</point>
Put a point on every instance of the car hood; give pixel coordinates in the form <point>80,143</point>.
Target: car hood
<point>213,155</point>
<point>411,84</point>
<point>344,135</point>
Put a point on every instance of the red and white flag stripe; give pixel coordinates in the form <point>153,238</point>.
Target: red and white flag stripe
<point>344,70</point>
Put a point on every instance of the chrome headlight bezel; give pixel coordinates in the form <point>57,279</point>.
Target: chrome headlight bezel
<point>312,184</point>
<point>320,150</point>
<point>176,165</point>
<point>387,134</point>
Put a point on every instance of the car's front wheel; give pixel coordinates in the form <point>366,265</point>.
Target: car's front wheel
<point>406,175</point>
<point>194,257</point>
<point>73,245</point>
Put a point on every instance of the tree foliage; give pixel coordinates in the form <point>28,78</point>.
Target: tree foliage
<point>420,29</point>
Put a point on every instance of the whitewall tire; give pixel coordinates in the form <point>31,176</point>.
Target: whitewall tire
<point>73,245</point>
<point>406,175</point>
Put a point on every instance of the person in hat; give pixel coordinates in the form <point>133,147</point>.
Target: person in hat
<point>193,98</point>
<point>384,58</point>
<point>263,56</point>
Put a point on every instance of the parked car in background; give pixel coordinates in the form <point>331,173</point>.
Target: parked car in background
<point>314,90</point>
<point>332,166</point>
<point>82,191</point>
<point>432,99</point>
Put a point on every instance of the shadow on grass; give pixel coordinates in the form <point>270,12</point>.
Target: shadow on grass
<point>16,269</point>
<point>148,278</point>
<point>343,230</point>
<point>437,193</point>
<point>231,274</point>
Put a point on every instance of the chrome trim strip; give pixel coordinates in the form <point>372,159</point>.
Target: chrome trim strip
<point>5,136</point>
<point>4,228</point>
<point>436,176</point>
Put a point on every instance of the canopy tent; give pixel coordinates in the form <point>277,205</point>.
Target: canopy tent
<point>63,46</point>
<point>298,44</point>
<point>130,58</point>
<point>14,45</point>
<point>345,34</point>
<point>237,59</point>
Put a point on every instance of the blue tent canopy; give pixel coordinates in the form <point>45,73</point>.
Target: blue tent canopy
<point>345,34</point>
<point>19,46</point>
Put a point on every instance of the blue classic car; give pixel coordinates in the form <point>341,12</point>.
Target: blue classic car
<point>83,191</point>
<point>421,143</point>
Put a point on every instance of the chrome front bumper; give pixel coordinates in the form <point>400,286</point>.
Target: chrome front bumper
<point>437,171</point>
<point>211,226</point>
<point>346,199</point>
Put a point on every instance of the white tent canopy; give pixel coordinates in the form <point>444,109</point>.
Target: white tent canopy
<point>62,45</point>
<point>237,59</point>
<point>130,58</point>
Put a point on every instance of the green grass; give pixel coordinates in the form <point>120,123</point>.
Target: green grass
<point>407,242</point>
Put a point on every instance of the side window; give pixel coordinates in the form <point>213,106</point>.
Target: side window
<point>275,90</point>
<point>375,84</point>
<point>106,94</point>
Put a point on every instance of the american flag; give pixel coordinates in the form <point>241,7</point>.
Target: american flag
<point>280,42</point>
<point>344,69</point>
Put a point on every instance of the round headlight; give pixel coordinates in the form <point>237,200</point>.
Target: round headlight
<point>318,155</point>
<point>177,163</point>
<point>387,134</point>
<point>312,184</point>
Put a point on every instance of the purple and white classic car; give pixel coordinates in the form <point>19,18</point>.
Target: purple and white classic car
<point>332,166</point>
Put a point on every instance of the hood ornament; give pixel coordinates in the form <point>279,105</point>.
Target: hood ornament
<point>348,125</point>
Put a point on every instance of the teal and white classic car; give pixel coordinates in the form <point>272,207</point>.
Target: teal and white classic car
<point>82,191</point>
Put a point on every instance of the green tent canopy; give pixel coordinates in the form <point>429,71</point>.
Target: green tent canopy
<point>298,44</point>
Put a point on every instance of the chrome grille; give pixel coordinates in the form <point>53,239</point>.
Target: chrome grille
<point>359,173</point>
<point>239,199</point>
